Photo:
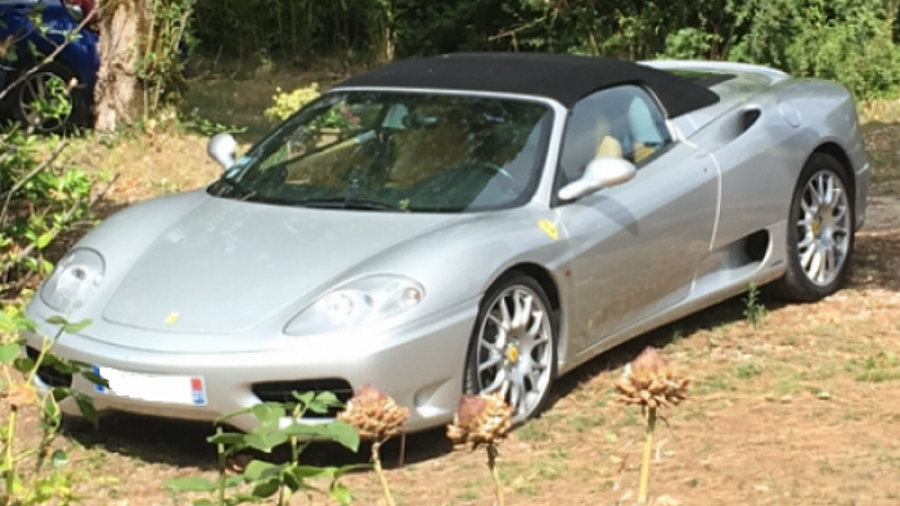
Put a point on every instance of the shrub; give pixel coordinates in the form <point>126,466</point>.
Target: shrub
<point>287,103</point>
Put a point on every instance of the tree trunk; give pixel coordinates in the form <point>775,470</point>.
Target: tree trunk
<point>117,94</point>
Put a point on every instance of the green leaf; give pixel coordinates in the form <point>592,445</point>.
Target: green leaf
<point>203,502</point>
<point>86,407</point>
<point>24,365</point>
<point>266,489</point>
<point>234,481</point>
<point>269,413</point>
<point>339,432</point>
<point>311,472</point>
<point>52,412</point>
<point>316,407</point>
<point>305,397</point>
<point>258,469</point>
<point>57,320</point>
<point>45,239</point>
<point>328,399</point>
<point>191,484</point>
<point>74,328</point>
<point>95,378</point>
<point>60,393</point>
<point>235,500</point>
<point>341,494</point>
<point>59,459</point>
<point>341,471</point>
<point>9,352</point>
<point>226,438</point>
<point>233,414</point>
<point>265,439</point>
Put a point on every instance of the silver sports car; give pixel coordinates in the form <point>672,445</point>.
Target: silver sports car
<point>463,223</point>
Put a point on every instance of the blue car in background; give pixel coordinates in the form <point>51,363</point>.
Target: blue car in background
<point>79,60</point>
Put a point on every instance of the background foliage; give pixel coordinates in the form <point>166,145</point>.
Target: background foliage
<point>851,40</point>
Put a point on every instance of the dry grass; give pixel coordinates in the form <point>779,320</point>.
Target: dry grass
<point>800,410</point>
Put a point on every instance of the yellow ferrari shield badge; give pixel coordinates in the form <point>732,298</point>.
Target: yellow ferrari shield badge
<point>172,318</point>
<point>549,228</point>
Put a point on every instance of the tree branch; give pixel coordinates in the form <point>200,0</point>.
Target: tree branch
<point>37,170</point>
<point>31,248</point>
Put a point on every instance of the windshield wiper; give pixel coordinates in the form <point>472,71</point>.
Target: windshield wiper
<point>348,203</point>
<point>236,186</point>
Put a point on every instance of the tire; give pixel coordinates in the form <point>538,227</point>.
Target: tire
<point>797,285</point>
<point>23,96</point>
<point>543,348</point>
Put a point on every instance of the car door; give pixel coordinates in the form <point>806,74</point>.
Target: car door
<point>635,247</point>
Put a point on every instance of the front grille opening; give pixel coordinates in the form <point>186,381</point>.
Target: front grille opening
<point>280,391</point>
<point>47,373</point>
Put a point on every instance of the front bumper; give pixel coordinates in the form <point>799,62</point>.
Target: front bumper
<point>420,365</point>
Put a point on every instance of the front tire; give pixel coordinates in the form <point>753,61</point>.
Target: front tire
<point>821,230</point>
<point>513,346</point>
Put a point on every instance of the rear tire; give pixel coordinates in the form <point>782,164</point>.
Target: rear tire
<point>22,100</point>
<point>820,236</point>
<point>514,350</point>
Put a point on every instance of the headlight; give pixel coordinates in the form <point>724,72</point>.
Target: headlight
<point>75,279</point>
<point>361,302</point>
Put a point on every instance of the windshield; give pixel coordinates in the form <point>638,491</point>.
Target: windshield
<point>398,151</point>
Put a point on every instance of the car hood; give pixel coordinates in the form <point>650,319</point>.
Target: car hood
<point>227,266</point>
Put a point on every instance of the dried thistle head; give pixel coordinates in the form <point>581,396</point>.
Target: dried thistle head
<point>650,382</point>
<point>481,419</point>
<point>374,414</point>
<point>20,394</point>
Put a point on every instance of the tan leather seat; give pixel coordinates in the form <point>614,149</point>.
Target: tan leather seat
<point>422,152</point>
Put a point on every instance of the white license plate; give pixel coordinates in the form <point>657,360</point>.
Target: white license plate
<point>187,390</point>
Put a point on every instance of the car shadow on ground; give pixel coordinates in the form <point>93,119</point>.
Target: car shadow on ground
<point>184,444</point>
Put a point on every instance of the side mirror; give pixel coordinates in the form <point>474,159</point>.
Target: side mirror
<point>222,148</point>
<point>600,173</point>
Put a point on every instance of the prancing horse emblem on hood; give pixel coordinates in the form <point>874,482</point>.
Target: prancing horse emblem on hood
<point>172,318</point>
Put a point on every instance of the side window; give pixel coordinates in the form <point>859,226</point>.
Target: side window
<point>623,121</point>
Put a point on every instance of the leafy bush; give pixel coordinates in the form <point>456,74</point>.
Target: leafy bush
<point>847,40</point>
<point>287,103</point>
<point>48,477</point>
<point>260,480</point>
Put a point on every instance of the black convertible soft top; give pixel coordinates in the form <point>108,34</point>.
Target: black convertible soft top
<point>563,77</point>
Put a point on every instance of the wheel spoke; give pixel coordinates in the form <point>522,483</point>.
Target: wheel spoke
<point>535,329</point>
<point>497,383</point>
<point>517,389</point>
<point>504,311</point>
<point>807,211</point>
<point>828,191</point>
<point>807,240</point>
<point>807,257</point>
<point>830,260</point>
<point>816,261</point>
<point>491,362</point>
<point>822,272</point>
<point>840,214</point>
<point>498,322</point>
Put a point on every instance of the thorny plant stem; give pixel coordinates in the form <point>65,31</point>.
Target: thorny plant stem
<point>10,458</point>
<point>376,461</point>
<point>223,461</point>
<point>648,452</point>
<point>492,464</point>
